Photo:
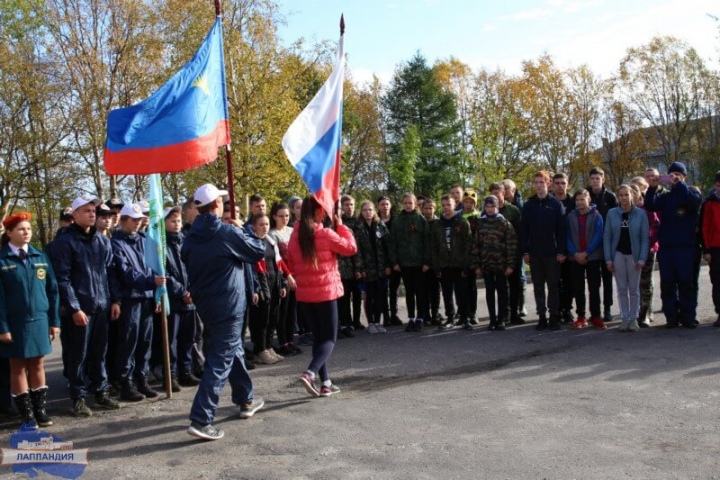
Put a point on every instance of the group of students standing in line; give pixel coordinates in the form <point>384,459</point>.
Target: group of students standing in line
<point>573,242</point>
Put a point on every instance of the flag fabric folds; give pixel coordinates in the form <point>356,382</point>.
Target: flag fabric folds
<point>181,125</point>
<point>155,238</point>
<point>312,143</point>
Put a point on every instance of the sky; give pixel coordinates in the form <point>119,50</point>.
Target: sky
<point>380,35</point>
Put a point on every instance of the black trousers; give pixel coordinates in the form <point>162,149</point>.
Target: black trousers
<point>352,296</point>
<point>545,271</point>
<point>715,277</point>
<point>567,292</point>
<point>607,285</point>
<point>451,281</point>
<point>415,296</point>
<point>432,289</point>
<point>496,282</point>
<point>593,271</point>
<point>515,287</point>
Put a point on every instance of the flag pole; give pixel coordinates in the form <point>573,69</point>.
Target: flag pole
<point>228,149</point>
<point>337,204</point>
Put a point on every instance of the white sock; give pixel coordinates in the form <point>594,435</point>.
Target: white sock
<point>327,383</point>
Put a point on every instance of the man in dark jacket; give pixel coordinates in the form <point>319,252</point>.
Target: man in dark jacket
<point>135,325</point>
<point>216,256</point>
<point>181,324</point>
<point>560,191</point>
<point>516,283</point>
<point>513,197</point>
<point>544,248</point>
<point>451,243</point>
<point>680,208</point>
<point>89,297</point>
<point>604,200</point>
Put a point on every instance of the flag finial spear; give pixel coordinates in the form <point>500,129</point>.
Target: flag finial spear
<point>342,24</point>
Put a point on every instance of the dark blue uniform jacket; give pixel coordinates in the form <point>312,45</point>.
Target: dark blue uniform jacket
<point>216,257</point>
<point>85,271</point>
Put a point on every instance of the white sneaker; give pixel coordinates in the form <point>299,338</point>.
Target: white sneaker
<point>633,327</point>
<point>372,328</point>
<point>276,355</point>
<point>624,326</point>
<point>380,328</point>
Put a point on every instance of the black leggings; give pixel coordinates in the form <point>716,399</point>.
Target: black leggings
<point>322,318</point>
<point>374,303</point>
<point>258,325</point>
<point>412,278</point>
<point>287,318</point>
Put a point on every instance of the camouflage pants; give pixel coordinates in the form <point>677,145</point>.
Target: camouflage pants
<point>647,288</point>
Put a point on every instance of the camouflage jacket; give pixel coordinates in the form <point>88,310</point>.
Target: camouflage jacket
<point>450,243</point>
<point>373,257</point>
<point>495,247</point>
<point>473,218</point>
<point>346,265</point>
<point>408,240</point>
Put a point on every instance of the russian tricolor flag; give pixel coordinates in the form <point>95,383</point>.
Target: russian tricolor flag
<point>312,143</point>
<point>181,125</point>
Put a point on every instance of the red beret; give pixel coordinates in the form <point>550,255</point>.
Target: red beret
<point>13,220</point>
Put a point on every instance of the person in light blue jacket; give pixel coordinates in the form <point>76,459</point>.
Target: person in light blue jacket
<point>626,243</point>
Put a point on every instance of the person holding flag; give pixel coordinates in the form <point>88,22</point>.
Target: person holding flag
<point>216,256</point>
<point>312,144</point>
<point>135,325</point>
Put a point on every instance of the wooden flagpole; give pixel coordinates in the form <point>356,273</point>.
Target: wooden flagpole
<point>228,149</point>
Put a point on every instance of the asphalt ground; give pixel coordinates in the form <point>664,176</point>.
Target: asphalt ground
<point>457,404</point>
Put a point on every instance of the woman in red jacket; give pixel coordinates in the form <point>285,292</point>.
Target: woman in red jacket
<point>312,257</point>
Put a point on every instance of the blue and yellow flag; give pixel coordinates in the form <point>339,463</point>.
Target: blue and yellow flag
<point>178,127</point>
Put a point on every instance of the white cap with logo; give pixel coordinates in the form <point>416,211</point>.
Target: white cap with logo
<point>206,194</point>
<point>132,210</point>
<point>170,210</point>
<point>83,200</point>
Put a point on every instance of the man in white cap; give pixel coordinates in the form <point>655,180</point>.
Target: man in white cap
<point>83,262</point>
<point>216,255</point>
<point>135,325</point>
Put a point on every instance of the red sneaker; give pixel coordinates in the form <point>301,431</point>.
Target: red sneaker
<point>598,323</point>
<point>581,322</point>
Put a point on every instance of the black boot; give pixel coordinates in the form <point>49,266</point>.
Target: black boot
<point>128,392</point>
<point>24,406</point>
<point>39,404</point>
<point>554,324</point>
<point>542,323</point>
<point>145,389</point>
<point>500,324</point>
<point>492,324</point>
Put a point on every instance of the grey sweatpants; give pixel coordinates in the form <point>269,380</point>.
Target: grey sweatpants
<point>627,279</point>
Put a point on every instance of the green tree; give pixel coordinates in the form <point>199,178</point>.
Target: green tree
<point>416,100</point>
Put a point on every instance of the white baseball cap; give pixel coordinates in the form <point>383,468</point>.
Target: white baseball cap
<point>206,194</point>
<point>144,205</point>
<point>83,200</point>
<point>132,210</point>
<point>169,210</point>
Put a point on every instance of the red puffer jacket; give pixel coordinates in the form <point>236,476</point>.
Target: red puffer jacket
<point>321,282</point>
